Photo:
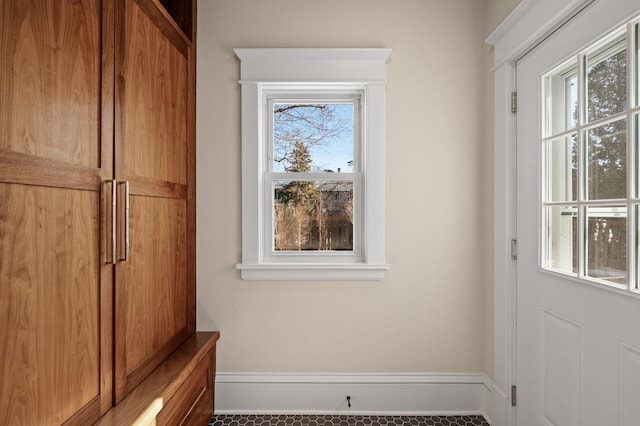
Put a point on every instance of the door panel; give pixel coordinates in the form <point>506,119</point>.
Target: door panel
<point>155,95</point>
<point>50,76</point>
<point>576,340</point>
<point>48,297</point>
<point>55,149</point>
<point>153,299</point>
<point>156,294</point>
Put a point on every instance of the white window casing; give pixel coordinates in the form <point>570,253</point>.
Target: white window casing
<point>357,74</point>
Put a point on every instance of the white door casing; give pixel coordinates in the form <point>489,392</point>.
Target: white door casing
<point>530,23</point>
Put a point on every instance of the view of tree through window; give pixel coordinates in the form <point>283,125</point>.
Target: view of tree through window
<point>587,165</point>
<point>314,144</point>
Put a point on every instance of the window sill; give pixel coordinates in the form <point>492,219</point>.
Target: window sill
<point>312,272</point>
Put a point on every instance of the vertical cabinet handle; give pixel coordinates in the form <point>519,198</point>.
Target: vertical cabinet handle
<point>113,221</point>
<point>109,224</point>
<point>125,226</point>
<point>116,221</point>
<point>126,223</point>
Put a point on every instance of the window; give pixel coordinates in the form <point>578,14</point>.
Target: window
<point>313,164</point>
<point>313,172</point>
<point>590,197</point>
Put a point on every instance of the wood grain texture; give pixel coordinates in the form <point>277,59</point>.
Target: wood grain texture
<point>186,402</point>
<point>157,188</point>
<point>31,170</point>
<point>191,171</point>
<point>146,401</point>
<point>154,99</point>
<point>155,303</point>
<point>50,79</point>
<point>151,306</point>
<point>56,76</point>
<point>49,303</point>
<point>155,277</point>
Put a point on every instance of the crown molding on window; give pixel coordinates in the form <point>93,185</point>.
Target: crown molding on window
<point>313,65</point>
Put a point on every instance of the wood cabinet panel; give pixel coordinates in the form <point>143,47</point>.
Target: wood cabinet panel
<point>50,79</point>
<point>153,90</point>
<point>152,285</point>
<point>155,294</point>
<point>56,91</point>
<point>49,303</point>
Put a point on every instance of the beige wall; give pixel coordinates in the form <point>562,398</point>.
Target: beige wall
<point>496,11</point>
<point>433,312</point>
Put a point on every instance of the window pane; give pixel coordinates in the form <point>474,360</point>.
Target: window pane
<point>607,243</point>
<point>607,80</point>
<point>637,64</point>
<point>313,137</point>
<point>607,161</point>
<point>635,241</point>
<point>562,223</point>
<point>562,107</point>
<point>562,169</point>
<point>313,215</point>
<point>636,122</point>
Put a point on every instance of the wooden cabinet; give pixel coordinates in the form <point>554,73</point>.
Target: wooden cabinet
<point>96,95</point>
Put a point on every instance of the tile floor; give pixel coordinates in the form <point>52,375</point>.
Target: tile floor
<point>276,420</point>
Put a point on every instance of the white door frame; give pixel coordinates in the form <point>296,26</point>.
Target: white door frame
<point>530,23</point>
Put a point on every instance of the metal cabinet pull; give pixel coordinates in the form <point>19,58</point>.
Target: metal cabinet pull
<point>113,221</point>
<point>126,222</point>
<point>109,223</point>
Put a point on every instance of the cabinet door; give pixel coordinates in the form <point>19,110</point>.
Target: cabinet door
<point>155,284</point>
<point>55,150</point>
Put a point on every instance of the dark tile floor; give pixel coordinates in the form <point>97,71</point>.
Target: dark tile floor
<point>297,420</point>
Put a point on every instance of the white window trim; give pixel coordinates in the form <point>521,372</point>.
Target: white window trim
<point>301,70</point>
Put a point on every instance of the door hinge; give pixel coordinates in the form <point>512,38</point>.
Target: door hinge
<point>514,102</point>
<point>514,396</point>
<point>514,249</point>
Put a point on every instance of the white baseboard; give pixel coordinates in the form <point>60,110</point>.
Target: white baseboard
<point>501,410</point>
<point>371,394</point>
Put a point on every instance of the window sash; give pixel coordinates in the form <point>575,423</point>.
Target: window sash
<point>313,96</point>
<point>351,256</point>
<point>275,96</point>
<point>558,126</point>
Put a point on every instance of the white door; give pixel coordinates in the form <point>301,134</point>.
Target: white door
<point>578,307</point>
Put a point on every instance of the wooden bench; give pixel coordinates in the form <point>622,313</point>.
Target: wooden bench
<point>180,391</point>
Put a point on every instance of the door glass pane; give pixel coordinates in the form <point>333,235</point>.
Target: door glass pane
<point>636,143</point>
<point>607,243</point>
<point>635,240</point>
<point>562,99</point>
<point>312,215</point>
<point>562,169</point>
<point>562,228</point>
<point>607,161</point>
<point>636,71</point>
<point>607,80</point>
<point>316,137</point>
